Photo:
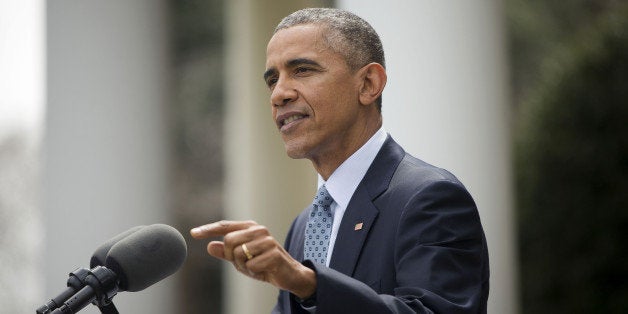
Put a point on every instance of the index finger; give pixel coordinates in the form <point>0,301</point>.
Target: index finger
<point>220,228</point>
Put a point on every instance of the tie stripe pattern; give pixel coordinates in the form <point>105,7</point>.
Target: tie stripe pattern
<point>318,229</point>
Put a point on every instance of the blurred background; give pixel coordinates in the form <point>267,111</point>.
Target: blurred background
<point>122,113</point>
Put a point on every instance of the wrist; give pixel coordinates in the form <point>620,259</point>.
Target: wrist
<point>306,287</point>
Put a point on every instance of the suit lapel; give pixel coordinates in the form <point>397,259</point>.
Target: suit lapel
<point>349,241</point>
<point>295,246</point>
<point>361,210</point>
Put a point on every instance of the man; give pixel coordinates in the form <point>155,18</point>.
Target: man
<point>387,232</point>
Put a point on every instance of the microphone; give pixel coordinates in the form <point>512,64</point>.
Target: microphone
<point>147,256</point>
<point>98,258</point>
<point>77,278</point>
<point>137,261</point>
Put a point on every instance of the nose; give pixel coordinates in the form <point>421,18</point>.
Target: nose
<point>283,93</point>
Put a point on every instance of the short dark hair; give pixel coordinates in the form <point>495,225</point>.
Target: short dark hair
<point>345,33</point>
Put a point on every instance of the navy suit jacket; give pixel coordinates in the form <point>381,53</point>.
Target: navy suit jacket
<point>421,248</point>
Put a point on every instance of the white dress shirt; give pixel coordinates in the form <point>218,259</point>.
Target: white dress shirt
<point>345,179</point>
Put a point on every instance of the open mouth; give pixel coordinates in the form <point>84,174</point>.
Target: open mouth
<point>292,119</point>
<point>289,120</point>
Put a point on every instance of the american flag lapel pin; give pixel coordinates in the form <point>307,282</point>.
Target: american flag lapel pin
<point>358,226</point>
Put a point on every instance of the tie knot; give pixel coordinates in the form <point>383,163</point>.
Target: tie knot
<point>322,197</point>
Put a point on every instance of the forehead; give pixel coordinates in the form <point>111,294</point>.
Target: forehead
<point>300,41</point>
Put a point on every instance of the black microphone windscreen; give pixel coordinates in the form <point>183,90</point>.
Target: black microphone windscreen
<point>147,256</point>
<point>99,256</point>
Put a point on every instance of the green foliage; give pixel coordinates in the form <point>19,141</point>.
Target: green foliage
<point>572,176</point>
<point>196,24</point>
<point>537,27</point>
<point>197,40</point>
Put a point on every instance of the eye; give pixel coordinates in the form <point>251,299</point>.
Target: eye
<point>271,81</point>
<point>301,70</point>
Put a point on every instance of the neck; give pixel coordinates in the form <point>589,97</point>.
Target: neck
<point>326,163</point>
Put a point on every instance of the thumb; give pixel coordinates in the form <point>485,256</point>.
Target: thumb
<point>216,249</point>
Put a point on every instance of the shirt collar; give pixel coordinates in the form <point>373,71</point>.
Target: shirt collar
<point>345,179</point>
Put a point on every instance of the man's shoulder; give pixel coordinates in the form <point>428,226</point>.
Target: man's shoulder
<point>412,174</point>
<point>418,168</point>
<point>394,166</point>
<point>407,165</point>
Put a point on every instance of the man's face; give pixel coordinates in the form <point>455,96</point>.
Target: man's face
<point>314,95</point>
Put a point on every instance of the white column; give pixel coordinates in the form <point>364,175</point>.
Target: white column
<point>106,139</point>
<point>22,80</point>
<point>447,103</point>
<point>262,183</point>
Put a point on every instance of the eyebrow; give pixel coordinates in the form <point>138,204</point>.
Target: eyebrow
<point>300,61</point>
<point>291,64</point>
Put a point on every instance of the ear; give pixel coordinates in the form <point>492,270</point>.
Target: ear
<point>373,79</point>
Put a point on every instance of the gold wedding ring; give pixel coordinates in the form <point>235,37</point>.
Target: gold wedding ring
<point>246,252</point>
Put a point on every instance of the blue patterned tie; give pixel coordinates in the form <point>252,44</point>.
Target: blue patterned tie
<point>318,229</point>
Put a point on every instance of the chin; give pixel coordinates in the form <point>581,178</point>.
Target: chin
<point>295,154</point>
<point>295,151</point>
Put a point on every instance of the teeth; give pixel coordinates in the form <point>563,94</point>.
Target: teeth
<point>292,118</point>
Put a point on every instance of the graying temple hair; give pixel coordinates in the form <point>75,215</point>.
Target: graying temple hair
<point>346,33</point>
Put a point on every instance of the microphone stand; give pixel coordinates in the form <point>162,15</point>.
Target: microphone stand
<point>108,309</point>
<point>75,283</point>
<point>101,285</point>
